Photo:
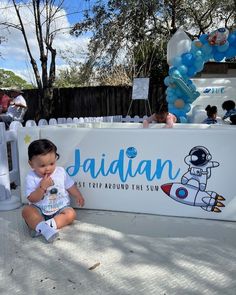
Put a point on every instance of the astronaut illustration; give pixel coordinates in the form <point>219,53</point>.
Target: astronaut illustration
<point>52,199</point>
<point>218,37</point>
<point>200,165</point>
<point>192,188</point>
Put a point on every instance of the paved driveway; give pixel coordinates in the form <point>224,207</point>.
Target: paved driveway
<point>119,253</point>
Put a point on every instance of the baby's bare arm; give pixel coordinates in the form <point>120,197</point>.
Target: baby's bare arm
<point>74,192</point>
<point>38,194</point>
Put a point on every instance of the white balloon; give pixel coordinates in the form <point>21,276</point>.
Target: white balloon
<point>177,45</point>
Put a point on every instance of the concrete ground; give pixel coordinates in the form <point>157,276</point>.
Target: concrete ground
<point>119,253</point>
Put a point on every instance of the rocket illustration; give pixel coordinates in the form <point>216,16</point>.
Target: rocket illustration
<point>193,196</point>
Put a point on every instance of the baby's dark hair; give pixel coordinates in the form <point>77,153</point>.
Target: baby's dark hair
<point>211,110</point>
<point>41,147</point>
<point>228,105</point>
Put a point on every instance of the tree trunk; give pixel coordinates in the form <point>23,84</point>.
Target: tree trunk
<point>46,103</point>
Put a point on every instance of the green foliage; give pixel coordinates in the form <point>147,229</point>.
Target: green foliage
<point>70,77</point>
<point>136,32</point>
<point>9,79</point>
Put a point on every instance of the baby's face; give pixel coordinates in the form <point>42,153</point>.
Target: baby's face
<point>44,164</point>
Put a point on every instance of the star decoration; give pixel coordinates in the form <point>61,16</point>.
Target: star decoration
<point>27,139</point>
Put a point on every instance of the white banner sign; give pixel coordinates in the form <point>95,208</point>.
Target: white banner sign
<point>184,171</point>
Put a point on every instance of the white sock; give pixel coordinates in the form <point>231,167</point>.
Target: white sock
<point>47,231</point>
<point>51,222</point>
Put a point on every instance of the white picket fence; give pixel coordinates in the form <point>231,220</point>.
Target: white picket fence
<point>135,119</point>
<point>9,150</point>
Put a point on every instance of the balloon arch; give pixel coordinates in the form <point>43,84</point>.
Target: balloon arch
<point>186,58</point>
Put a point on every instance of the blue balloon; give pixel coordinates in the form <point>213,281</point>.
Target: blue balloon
<point>199,65</point>
<point>219,56</point>
<point>177,61</point>
<point>196,45</point>
<point>207,57</point>
<point>169,90</point>
<point>191,71</point>
<point>187,107</point>
<point>183,119</point>
<point>171,70</point>
<point>179,92</point>
<point>198,54</point>
<point>232,39</point>
<point>167,81</point>
<point>206,48</point>
<point>204,38</point>
<point>187,65</point>
<point>182,69</point>
<point>176,73</point>
<point>170,99</point>
<point>187,59</point>
<point>223,48</point>
<point>231,52</point>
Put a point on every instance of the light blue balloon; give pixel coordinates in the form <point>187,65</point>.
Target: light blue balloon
<point>199,64</point>
<point>176,73</point>
<point>179,92</point>
<point>232,38</point>
<point>206,48</point>
<point>167,81</point>
<point>230,52</point>
<point>177,61</point>
<point>183,69</point>
<point>194,47</point>
<point>191,71</point>
<point>170,99</point>
<point>183,119</point>
<point>207,57</point>
<point>218,56</point>
<point>204,38</point>
<point>187,59</point>
<point>188,65</point>
<point>198,55</point>
<point>223,48</point>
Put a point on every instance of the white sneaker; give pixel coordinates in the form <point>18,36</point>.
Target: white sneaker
<point>49,233</point>
<point>52,237</point>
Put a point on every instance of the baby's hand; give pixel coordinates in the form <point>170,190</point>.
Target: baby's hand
<point>145,124</point>
<point>46,182</point>
<point>80,201</point>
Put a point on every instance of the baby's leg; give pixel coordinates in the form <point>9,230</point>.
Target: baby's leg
<point>65,217</point>
<point>32,216</point>
<point>37,224</point>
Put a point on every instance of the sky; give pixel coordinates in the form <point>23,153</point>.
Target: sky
<point>14,56</point>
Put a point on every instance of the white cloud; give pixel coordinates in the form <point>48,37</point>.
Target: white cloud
<point>13,52</point>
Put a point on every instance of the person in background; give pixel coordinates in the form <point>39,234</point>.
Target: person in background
<point>233,119</point>
<point>15,108</point>
<point>229,107</point>
<point>47,189</point>
<point>211,115</point>
<point>4,101</point>
<point>161,116</point>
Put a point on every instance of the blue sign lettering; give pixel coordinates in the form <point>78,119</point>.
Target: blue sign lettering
<point>214,90</point>
<point>125,166</point>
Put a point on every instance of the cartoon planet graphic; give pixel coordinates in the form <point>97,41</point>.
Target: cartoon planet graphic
<point>131,152</point>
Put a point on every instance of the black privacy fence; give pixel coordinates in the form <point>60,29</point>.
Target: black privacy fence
<point>94,102</point>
